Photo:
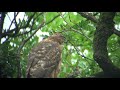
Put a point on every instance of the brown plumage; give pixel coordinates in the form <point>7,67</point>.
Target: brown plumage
<point>45,59</point>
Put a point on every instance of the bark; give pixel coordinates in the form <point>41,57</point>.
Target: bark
<point>2,17</point>
<point>104,29</point>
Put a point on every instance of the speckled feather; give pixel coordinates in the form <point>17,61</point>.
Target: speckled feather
<point>44,59</point>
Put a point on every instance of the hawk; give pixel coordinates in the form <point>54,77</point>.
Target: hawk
<point>44,60</point>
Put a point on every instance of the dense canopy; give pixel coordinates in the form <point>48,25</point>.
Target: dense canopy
<point>91,47</point>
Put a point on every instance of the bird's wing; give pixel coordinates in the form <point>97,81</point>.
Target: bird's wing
<point>44,59</point>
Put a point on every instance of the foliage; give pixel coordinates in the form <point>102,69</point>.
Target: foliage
<point>77,55</point>
<point>8,61</point>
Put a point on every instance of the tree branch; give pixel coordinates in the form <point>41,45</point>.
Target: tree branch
<point>78,52</point>
<point>104,30</point>
<point>117,32</point>
<point>52,19</point>
<point>17,28</point>
<point>88,16</point>
<point>42,25</point>
<point>10,32</point>
<point>1,23</point>
<point>76,30</point>
<point>29,19</point>
<point>23,43</point>
<point>12,21</point>
<point>9,17</point>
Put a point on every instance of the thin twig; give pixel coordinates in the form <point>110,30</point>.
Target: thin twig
<point>52,19</point>
<point>42,25</point>
<point>77,50</point>
<point>23,43</point>
<point>71,20</point>
<point>28,22</point>
<point>13,21</point>
<point>9,32</point>
<point>17,28</point>
<point>9,17</point>
<point>31,27</point>
<point>76,30</point>
<point>21,46</point>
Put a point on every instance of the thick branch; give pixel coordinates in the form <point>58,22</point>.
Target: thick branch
<point>88,16</point>
<point>104,30</point>
<point>117,32</point>
<point>1,23</point>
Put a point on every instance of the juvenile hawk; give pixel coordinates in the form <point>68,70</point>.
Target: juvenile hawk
<point>44,60</point>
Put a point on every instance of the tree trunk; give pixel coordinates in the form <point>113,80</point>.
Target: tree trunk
<point>104,30</point>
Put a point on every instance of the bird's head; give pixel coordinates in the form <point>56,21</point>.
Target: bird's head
<point>58,37</point>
